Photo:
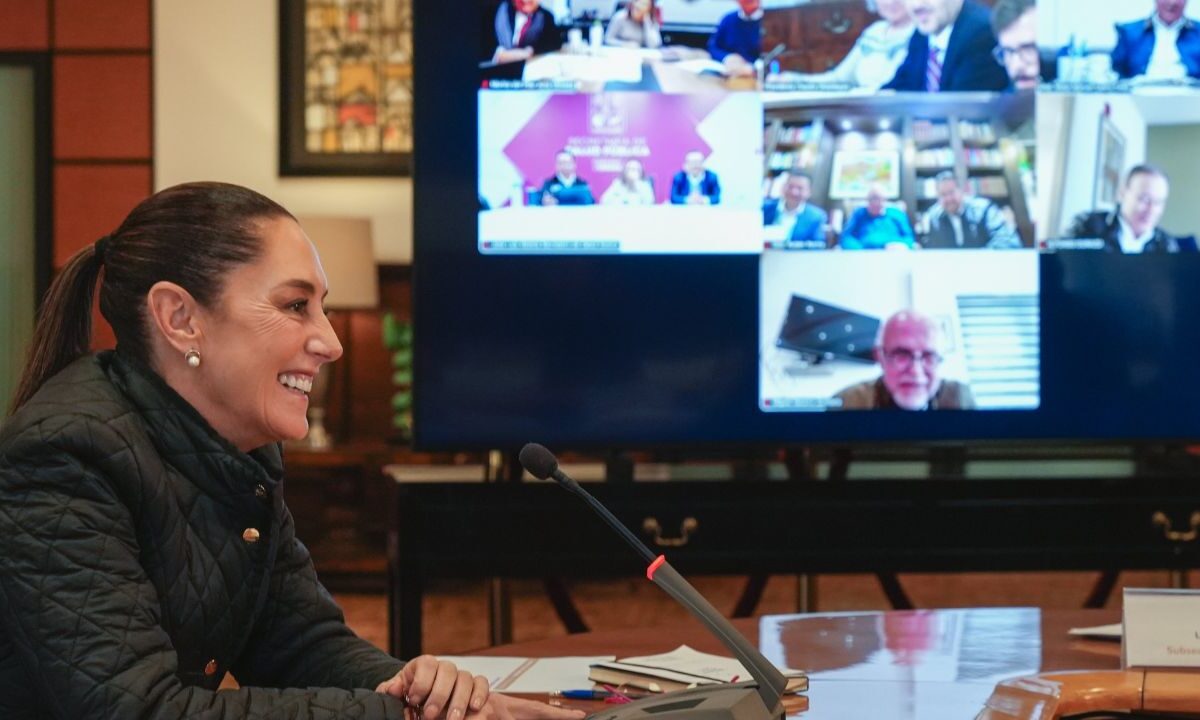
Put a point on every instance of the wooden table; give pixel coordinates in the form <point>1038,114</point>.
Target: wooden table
<point>900,665</point>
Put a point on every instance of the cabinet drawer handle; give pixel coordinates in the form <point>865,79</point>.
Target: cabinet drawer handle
<point>837,24</point>
<point>1160,519</point>
<point>689,525</point>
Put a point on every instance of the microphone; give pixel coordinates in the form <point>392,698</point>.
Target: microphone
<point>774,54</point>
<point>755,700</point>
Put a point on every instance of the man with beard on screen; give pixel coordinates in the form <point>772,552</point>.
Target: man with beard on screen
<point>908,350</point>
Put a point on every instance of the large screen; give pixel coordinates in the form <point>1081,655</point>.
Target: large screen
<point>673,222</point>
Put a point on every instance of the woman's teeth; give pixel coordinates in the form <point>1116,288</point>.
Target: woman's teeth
<point>296,382</point>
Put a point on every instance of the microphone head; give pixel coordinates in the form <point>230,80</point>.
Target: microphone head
<point>539,461</point>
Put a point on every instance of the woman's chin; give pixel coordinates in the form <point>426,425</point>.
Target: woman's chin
<point>290,429</point>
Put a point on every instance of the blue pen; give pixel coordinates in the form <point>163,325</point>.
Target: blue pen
<point>582,694</point>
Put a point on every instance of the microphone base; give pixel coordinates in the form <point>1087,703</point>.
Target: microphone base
<point>739,701</point>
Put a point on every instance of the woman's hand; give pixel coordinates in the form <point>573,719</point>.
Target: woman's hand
<point>504,707</point>
<point>438,688</point>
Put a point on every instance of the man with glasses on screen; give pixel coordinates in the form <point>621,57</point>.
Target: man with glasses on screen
<point>1132,227</point>
<point>908,349</point>
<point>1165,46</point>
<point>951,50</point>
<point>1015,24</point>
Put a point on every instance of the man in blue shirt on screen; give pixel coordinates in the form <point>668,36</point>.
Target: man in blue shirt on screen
<point>737,41</point>
<point>1165,46</point>
<point>565,187</point>
<point>877,226</point>
<point>807,222</point>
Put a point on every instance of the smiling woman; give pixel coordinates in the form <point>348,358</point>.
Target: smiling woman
<point>145,548</point>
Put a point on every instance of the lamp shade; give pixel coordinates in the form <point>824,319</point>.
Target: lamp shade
<point>348,256</point>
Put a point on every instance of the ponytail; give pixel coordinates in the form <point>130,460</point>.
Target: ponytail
<point>64,326</point>
<point>192,235</point>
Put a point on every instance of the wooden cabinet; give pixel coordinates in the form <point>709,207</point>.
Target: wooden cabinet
<point>817,35</point>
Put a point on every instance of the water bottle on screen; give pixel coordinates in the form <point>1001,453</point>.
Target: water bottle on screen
<point>596,35</point>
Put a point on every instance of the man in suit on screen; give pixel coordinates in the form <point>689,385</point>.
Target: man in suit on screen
<point>1164,46</point>
<point>695,184</point>
<point>1132,227</point>
<point>524,28</point>
<point>806,222</point>
<point>952,50</point>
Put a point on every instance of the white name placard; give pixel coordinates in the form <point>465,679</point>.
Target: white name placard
<point>1161,628</point>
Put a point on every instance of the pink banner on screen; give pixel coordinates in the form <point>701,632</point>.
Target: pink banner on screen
<point>605,130</point>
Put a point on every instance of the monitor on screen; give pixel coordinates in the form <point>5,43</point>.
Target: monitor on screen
<point>731,221</point>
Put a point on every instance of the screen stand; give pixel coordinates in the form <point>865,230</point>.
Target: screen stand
<point>618,467</point>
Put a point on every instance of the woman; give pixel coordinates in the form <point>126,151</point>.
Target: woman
<point>145,548</point>
<point>877,53</point>
<point>631,188</point>
<point>636,25</point>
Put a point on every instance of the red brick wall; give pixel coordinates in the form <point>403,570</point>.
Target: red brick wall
<point>102,136</point>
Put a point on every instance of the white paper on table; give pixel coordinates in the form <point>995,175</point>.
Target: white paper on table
<point>560,66</point>
<point>1108,632</point>
<point>530,675</point>
<point>685,664</point>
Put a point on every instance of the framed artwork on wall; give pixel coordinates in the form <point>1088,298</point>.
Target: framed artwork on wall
<point>345,87</point>
<point>1110,163</point>
<point>855,171</point>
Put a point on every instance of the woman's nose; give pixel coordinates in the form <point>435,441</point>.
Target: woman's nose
<point>324,342</point>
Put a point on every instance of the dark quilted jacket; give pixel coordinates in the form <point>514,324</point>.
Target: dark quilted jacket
<point>124,572</point>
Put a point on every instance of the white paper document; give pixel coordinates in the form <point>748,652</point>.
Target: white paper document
<point>683,664</point>
<point>530,675</point>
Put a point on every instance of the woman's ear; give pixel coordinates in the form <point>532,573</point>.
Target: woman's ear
<point>175,314</point>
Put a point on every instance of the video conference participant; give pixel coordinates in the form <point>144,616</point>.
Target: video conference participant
<point>1133,226</point>
<point>1165,46</point>
<point>908,349</point>
<point>807,221</point>
<point>566,187</point>
<point>631,188</point>
<point>876,55</point>
<point>951,50</point>
<point>146,547</point>
<point>695,184</point>
<point>877,226</point>
<point>523,29</point>
<point>957,220</point>
<point>1015,24</point>
<point>737,41</point>
<point>635,26</point>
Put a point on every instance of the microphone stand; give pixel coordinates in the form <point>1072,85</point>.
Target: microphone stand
<point>759,699</point>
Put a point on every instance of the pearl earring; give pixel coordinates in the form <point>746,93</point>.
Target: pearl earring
<point>193,358</point>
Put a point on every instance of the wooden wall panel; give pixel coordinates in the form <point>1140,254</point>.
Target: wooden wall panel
<point>24,25</point>
<point>91,200</point>
<point>102,107</point>
<point>103,24</point>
